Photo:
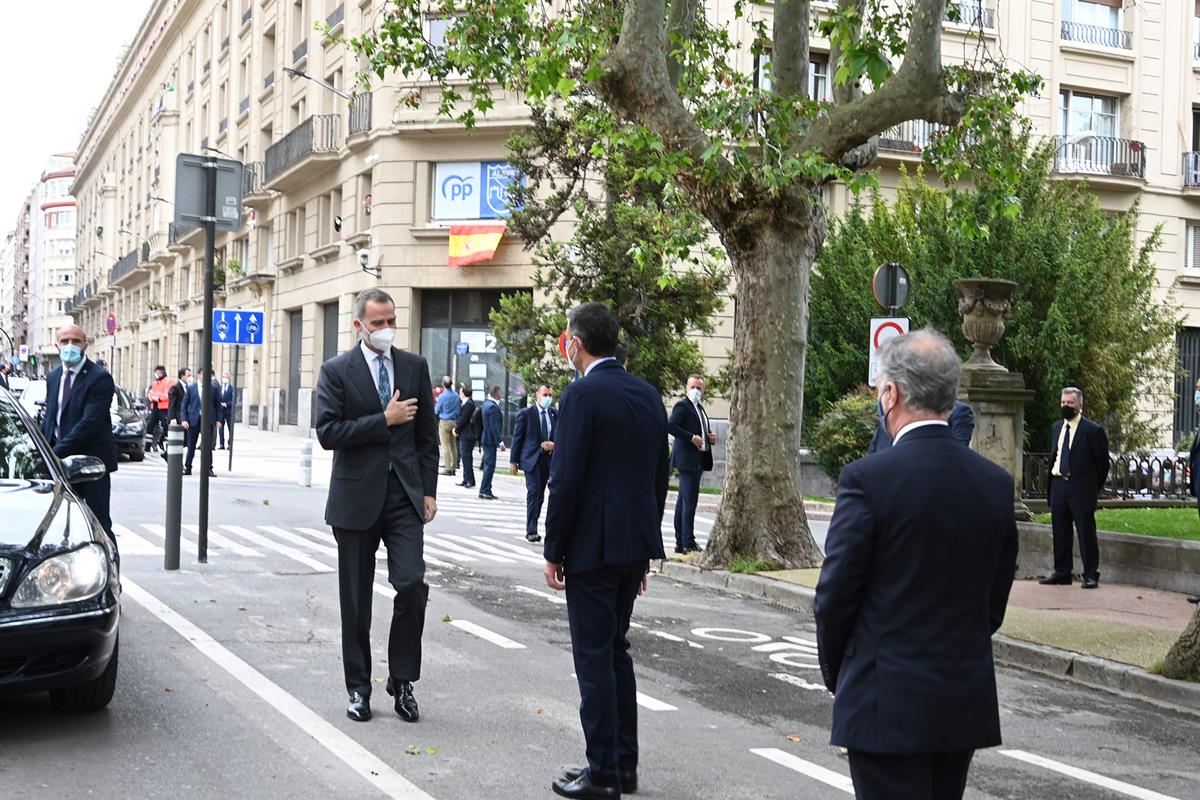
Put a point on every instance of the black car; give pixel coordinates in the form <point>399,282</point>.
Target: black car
<point>60,587</point>
<point>128,428</point>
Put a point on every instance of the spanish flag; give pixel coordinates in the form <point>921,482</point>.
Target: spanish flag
<point>470,244</point>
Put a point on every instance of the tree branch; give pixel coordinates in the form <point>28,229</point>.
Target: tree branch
<point>789,50</point>
<point>916,91</point>
<point>850,90</point>
<point>681,27</point>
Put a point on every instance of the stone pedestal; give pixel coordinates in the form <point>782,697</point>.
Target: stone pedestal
<point>998,400</point>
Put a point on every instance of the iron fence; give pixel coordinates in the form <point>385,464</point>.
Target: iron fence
<point>1191,169</point>
<point>1130,477</point>
<point>252,178</point>
<point>1101,155</point>
<point>317,134</point>
<point>1096,34</point>
<point>127,264</point>
<point>973,14</point>
<point>360,114</point>
<point>908,137</point>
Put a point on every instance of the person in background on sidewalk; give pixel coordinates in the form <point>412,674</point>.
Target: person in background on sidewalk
<point>962,427</point>
<point>446,409</point>
<point>4,368</point>
<point>225,404</point>
<point>77,421</point>
<point>441,387</point>
<point>919,561</point>
<point>491,439</point>
<point>175,398</point>
<point>1079,459</point>
<point>532,451</point>
<point>691,456</point>
<point>466,430</point>
<point>159,397</point>
<point>193,419</point>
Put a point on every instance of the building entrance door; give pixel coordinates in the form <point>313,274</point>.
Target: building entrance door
<point>295,332</point>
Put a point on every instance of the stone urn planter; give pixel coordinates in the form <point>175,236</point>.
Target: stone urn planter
<point>984,303</point>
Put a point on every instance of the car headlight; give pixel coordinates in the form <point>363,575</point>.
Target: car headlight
<point>69,578</point>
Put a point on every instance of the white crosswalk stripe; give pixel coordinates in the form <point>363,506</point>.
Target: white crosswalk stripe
<point>187,543</point>
<point>284,550</point>
<point>218,540</point>
<point>131,544</point>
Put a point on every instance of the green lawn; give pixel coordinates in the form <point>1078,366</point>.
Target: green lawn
<point>1169,523</point>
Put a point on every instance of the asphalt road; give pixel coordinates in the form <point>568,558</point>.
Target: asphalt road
<point>231,685</point>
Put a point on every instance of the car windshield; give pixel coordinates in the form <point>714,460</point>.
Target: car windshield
<point>19,457</point>
<point>120,400</point>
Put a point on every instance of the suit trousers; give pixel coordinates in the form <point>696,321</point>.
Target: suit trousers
<point>1067,508</point>
<point>488,465</point>
<point>535,493</point>
<point>449,445</point>
<point>402,532</point>
<point>933,776</point>
<point>599,605</point>
<point>466,456</point>
<point>97,494</point>
<point>685,509</point>
<point>193,434</point>
<point>156,426</point>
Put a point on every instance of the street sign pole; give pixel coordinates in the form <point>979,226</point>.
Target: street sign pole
<point>237,352</point>
<point>206,416</point>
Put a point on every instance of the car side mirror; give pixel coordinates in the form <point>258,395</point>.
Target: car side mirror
<point>84,469</point>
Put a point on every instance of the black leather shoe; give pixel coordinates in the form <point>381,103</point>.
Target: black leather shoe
<point>584,788</point>
<point>681,550</point>
<point>359,709</point>
<point>1194,598</point>
<point>1054,579</point>
<point>532,537</point>
<point>212,473</point>
<point>447,472</point>
<point>462,483</point>
<point>187,470</point>
<point>406,704</point>
<point>1090,583</point>
<point>694,548</point>
<point>628,778</point>
<point>488,496</point>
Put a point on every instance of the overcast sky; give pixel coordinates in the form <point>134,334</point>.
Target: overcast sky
<point>57,61</point>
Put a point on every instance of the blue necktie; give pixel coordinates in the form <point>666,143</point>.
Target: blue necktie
<point>385,385</point>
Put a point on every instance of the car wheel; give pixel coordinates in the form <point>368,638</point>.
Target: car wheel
<point>137,455</point>
<point>93,695</point>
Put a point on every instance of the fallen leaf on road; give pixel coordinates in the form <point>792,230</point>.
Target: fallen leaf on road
<point>168,689</point>
<point>793,738</point>
<point>446,618</point>
<point>266,502</point>
<point>241,609</point>
<point>431,751</point>
<point>540,712</point>
<point>413,750</point>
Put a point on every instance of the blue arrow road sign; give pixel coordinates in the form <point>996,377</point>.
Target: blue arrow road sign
<point>236,326</point>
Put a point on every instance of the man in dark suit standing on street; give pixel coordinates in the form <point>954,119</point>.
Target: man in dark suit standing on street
<point>466,435</point>
<point>608,487</point>
<point>192,415</point>
<point>1078,471</point>
<point>919,561</point>
<point>225,408</point>
<point>532,451</point>
<point>691,456</point>
<point>77,422</point>
<point>492,440</point>
<point>375,412</point>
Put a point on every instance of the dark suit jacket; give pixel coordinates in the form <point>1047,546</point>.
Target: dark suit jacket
<point>919,560</point>
<point>462,426</point>
<point>1088,459</point>
<point>526,447</point>
<point>3,380</point>
<point>493,424</point>
<point>683,425</point>
<point>193,406</point>
<point>962,426</point>
<point>86,421</point>
<point>1194,458</point>
<point>350,422</point>
<point>608,479</point>
<point>175,397</point>
<point>226,401</point>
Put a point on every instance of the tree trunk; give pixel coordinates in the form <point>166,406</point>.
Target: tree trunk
<point>762,509</point>
<point>1183,661</point>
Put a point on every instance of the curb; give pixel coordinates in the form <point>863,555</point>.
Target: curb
<point>1096,673</point>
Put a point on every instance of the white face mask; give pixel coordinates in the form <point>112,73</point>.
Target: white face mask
<point>694,395</point>
<point>381,339</point>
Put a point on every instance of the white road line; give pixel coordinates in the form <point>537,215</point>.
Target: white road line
<point>553,598</point>
<point>324,536</point>
<point>1120,787</point>
<point>373,769</point>
<point>187,544</point>
<point>301,541</point>
<point>330,543</point>
<point>484,545</point>
<point>217,540</point>
<point>289,552</point>
<point>826,776</point>
<point>486,635</point>
<point>456,548</point>
<point>650,704</point>
<point>130,544</point>
<point>528,549</point>
<point>795,680</point>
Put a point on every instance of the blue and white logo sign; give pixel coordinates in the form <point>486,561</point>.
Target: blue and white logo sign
<point>470,190</point>
<point>235,326</point>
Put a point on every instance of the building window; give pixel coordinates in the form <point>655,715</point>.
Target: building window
<point>819,87</point>
<point>1101,13</point>
<point>1086,113</point>
<point>1192,260</point>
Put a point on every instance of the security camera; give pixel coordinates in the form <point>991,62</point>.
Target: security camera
<point>99,230</point>
<point>364,257</point>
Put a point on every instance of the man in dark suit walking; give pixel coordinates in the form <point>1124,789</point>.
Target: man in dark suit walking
<point>1079,469</point>
<point>192,414</point>
<point>492,440</point>
<point>691,455</point>
<point>962,428</point>
<point>608,487</point>
<point>225,408</point>
<point>532,451</point>
<point>466,432</point>
<point>77,422</point>
<point>919,561</point>
<point>375,412</point>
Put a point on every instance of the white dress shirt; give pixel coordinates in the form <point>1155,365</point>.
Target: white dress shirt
<point>62,383</point>
<point>373,366</point>
<point>592,365</point>
<point>912,426</point>
<point>704,427</point>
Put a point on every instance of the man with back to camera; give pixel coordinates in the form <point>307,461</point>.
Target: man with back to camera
<point>532,451</point>
<point>608,487</point>
<point>375,412</point>
<point>77,421</point>
<point>466,432</point>
<point>491,439</point>
<point>446,407</point>
<point>919,560</point>
<point>1079,469</point>
<point>691,456</point>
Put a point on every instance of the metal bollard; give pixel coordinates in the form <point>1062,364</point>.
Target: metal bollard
<point>175,435</point>
<point>306,455</point>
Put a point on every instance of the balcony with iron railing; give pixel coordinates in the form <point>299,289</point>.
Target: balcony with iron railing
<point>306,149</point>
<point>128,265</point>
<point>1191,170</point>
<point>254,194</point>
<point>360,114</point>
<point>1100,156</point>
<point>972,14</point>
<point>1097,35</point>
<point>910,137</point>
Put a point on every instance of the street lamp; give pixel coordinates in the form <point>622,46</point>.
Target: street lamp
<point>299,73</point>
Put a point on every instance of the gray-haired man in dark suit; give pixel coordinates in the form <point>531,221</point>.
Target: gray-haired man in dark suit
<point>374,412</point>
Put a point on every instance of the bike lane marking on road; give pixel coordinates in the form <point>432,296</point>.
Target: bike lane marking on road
<point>1127,789</point>
<point>797,681</point>
<point>486,635</point>
<point>826,776</point>
<point>289,552</point>
<point>651,704</point>
<point>363,761</point>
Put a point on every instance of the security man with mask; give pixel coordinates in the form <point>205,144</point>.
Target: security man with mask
<point>691,456</point>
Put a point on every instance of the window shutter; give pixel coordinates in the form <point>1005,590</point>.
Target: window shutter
<point>1109,3</point>
<point>1198,8</point>
<point>1193,247</point>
